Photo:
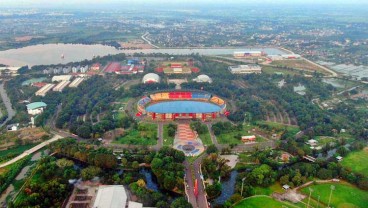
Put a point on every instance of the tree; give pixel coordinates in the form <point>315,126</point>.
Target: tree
<point>211,149</point>
<point>180,203</point>
<point>84,131</point>
<point>213,190</point>
<point>324,174</point>
<point>342,151</point>
<point>63,163</point>
<point>284,179</point>
<point>90,172</point>
<point>135,165</point>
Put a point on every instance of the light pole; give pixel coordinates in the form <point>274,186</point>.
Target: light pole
<point>310,193</point>
<point>243,179</point>
<point>329,200</point>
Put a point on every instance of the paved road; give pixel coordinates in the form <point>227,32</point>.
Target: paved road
<point>8,105</point>
<point>160,135</point>
<point>144,37</point>
<point>199,201</point>
<point>31,151</point>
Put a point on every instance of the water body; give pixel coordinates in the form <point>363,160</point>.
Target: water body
<point>46,54</point>
<point>150,183</point>
<point>228,187</point>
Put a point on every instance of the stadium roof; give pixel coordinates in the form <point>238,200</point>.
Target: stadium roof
<point>203,78</point>
<point>151,77</point>
<point>36,105</point>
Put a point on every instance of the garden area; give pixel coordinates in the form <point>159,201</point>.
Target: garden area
<point>144,134</point>
<point>169,134</point>
<point>344,196</point>
<point>357,161</point>
<point>227,133</point>
<point>202,131</point>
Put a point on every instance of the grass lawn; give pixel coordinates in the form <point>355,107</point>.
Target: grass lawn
<point>357,161</point>
<point>323,140</point>
<point>262,202</point>
<point>276,70</point>
<point>276,187</point>
<point>278,127</point>
<point>344,195</point>
<point>234,137</point>
<point>146,134</point>
<point>168,140</point>
<point>300,65</point>
<point>206,138</point>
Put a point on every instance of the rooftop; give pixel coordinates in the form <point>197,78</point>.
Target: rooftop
<point>36,105</point>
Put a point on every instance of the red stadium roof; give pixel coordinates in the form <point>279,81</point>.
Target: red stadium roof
<point>195,69</point>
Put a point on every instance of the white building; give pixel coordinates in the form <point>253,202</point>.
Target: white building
<point>242,54</point>
<point>43,91</point>
<point>203,78</point>
<point>291,56</point>
<point>59,87</point>
<point>61,78</point>
<point>36,108</point>
<point>151,78</point>
<point>245,69</point>
<point>111,197</point>
<point>76,82</point>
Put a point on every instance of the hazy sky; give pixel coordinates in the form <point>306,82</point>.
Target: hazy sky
<point>70,2</point>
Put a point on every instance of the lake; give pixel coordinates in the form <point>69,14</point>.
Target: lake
<point>51,53</point>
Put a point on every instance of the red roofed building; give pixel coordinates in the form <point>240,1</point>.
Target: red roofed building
<point>113,67</point>
<point>195,69</point>
<point>159,70</point>
<point>176,65</point>
<point>96,67</point>
<point>39,84</point>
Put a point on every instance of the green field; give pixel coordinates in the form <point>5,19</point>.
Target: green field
<point>276,187</point>
<point>234,137</point>
<point>145,134</point>
<point>280,127</point>
<point>262,202</point>
<point>206,138</point>
<point>8,154</point>
<point>276,70</point>
<point>168,140</point>
<point>357,161</point>
<point>344,195</point>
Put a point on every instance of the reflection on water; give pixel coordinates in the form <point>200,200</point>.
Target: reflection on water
<point>52,53</point>
<point>228,187</point>
<point>150,183</point>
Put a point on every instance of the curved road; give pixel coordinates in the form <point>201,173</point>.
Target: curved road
<point>8,105</point>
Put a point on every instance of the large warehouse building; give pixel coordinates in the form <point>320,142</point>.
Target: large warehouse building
<point>243,54</point>
<point>245,69</point>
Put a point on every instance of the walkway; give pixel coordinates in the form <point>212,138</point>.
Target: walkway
<point>8,105</point>
<point>31,151</point>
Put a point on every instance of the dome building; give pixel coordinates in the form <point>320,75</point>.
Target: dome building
<point>151,78</point>
<point>203,78</point>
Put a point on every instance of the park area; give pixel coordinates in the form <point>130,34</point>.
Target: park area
<point>144,134</point>
<point>344,195</point>
<point>234,136</point>
<point>357,161</point>
<point>261,202</point>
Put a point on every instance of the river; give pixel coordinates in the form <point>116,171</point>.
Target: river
<point>8,105</point>
<point>228,188</point>
<point>46,54</point>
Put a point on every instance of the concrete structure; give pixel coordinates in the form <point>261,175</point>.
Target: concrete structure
<point>242,54</point>
<point>43,91</point>
<point>245,69</point>
<point>151,78</point>
<point>76,82</point>
<point>251,138</point>
<point>59,87</point>
<point>113,196</point>
<point>36,108</point>
<point>203,78</point>
<point>61,78</point>
<point>135,205</point>
<point>181,105</point>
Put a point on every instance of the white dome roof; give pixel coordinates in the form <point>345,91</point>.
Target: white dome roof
<point>151,77</point>
<point>203,78</point>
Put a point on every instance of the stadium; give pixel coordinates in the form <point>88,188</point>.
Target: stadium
<point>173,105</point>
